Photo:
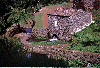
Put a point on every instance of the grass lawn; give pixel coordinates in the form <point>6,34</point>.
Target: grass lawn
<point>38,19</point>
<point>57,42</point>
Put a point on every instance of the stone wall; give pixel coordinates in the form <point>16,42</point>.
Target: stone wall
<point>62,28</point>
<point>40,32</point>
<point>66,25</point>
<point>60,51</point>
<point>79,20</point>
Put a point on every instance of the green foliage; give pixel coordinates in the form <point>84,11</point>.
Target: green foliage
<point>2,26</point>
<point>10,45</point>
<point>4,7</point>
<point>98,19</point>
<point>96,13</point>
<point>68,5</point>
<point>13,12</point>
<point>17,4</point>
<point>64,4</point>
<point>42,38</point>
<point>77,63</point>
<point>89,37</point>
<point>86,40</point>
<point>18,15</point>
<point>57,42</point>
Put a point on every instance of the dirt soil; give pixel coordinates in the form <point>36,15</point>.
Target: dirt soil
<point>45,11</point>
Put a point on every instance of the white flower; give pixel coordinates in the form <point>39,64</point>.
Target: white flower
<point>89,65</point>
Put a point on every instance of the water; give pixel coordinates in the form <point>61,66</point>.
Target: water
<point>30,36</point>
<point>28,55</point>
<point>28,30</point>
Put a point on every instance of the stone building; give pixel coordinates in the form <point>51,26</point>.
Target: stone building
<point>63,22</point>
<point>86,4</point>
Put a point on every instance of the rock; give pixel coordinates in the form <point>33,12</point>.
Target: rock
<point>63,11</point>
<point>18,36</point>
<point>79,20</point>
<point>12,31</point>
<point>40,32</point>
<point>16,24</point>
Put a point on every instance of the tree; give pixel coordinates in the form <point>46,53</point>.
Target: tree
<point>18,15</point>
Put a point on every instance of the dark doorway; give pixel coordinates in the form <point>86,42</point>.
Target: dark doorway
<point>55,36</point>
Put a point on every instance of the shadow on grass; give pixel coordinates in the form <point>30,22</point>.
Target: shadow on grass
<point>88,43</point>
<point>96,30</point>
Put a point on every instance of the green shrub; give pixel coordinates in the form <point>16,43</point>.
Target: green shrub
<point>42,38</point>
